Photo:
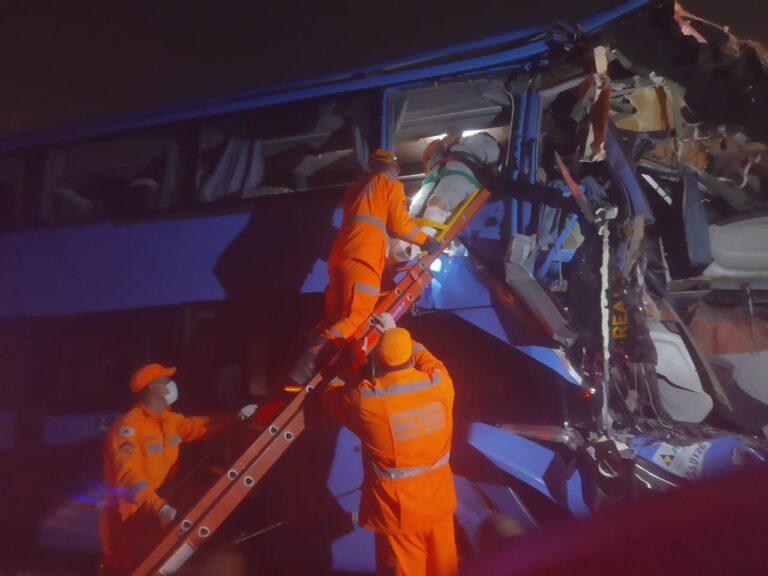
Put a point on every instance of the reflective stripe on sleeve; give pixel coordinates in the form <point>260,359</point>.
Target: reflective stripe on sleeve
<point>138,487</point>
<point>398,388</point>
<point>412,234</point>
<point>335,331</point>
<point>367,288</point>
<point>154,448</point>
<point>371,220</point>
<point>174,439</point>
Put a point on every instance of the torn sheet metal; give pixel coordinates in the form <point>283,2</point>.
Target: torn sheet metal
<point>578,195</point>
<point>624,173</point>
<point>594,148</point>
<point>653,111</point>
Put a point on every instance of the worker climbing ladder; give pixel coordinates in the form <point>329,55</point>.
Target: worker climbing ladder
<point>204,518</point>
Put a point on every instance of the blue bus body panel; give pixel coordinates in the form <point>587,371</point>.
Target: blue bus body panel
<point>532,463</point>
<point>471,510</point>
<point>99,267</point>
<point>506,501</point>
<point>519,457</point>
<point>112,266</point>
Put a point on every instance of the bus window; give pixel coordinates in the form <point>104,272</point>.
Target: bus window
<point>422,114</point>
<point>292,147</point>
<point>121,175</point>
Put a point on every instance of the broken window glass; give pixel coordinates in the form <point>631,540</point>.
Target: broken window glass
<point>107,177</point>
<point>293,147</point>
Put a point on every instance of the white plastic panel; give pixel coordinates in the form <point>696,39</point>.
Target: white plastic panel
<point>685,399</point>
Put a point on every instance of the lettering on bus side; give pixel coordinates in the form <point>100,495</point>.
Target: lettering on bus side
<point>619,319</point>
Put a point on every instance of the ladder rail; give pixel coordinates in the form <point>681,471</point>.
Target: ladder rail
<point>206,516</point>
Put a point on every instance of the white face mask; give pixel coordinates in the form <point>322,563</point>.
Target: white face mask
<point>173,393</point>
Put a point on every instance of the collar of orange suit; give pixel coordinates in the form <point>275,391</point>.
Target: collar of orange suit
<point>382,369</point>
<point>151,414</point>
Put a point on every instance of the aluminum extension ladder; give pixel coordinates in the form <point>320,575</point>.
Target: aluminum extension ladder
<point>198,524</point>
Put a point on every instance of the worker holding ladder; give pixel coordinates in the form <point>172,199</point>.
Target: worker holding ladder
<point>404,420</point>
<point>141,449</point>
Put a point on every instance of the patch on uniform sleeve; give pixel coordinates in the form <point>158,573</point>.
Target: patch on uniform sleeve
<point>125,431</point>
<point>127,447</point>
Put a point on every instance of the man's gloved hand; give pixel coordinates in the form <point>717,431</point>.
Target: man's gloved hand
<point>383,322</point>
<point>167,513</point>
<point>247,411</point>
<point>432,246</point>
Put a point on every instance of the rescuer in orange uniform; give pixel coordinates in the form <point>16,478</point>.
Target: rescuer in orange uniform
<point>404,420</point>
<point>374,208</point>
<point>141,449</point>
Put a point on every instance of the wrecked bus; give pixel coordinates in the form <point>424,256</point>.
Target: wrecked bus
<point>604,332</point>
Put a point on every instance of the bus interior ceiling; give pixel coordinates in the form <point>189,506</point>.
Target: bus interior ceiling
<point>429,112</point>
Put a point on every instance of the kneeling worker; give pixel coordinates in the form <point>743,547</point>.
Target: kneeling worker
<point>141,448</point>
<point>404,420</point>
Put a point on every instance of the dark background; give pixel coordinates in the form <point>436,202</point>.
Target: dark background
<point>84,60</point>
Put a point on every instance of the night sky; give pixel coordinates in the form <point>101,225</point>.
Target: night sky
<point>64,62</point>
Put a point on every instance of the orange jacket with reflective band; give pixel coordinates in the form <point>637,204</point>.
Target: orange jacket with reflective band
<point>404,421</point>
<point>374,209</point>
<point>141,448</point>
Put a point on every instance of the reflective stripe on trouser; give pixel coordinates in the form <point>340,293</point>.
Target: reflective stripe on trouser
<point>430,552</point>
<point>304,368</point>
<point>408,471</point>
<point>350,298</point>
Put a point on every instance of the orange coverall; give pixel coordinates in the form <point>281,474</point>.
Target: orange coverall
<point>404,420</point>
<point>374,208</point>
<point>140,450</point>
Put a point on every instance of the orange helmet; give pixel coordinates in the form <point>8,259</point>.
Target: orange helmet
<point>381,156</point>
<point>395,347</point>
<point>144,376</point>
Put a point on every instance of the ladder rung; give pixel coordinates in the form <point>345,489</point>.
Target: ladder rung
<point>199,524</point>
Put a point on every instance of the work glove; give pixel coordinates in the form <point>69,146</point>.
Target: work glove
<point>166,513</point>
<point>432,246</point>
<point>384,321</point>
<point>247,411</point>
